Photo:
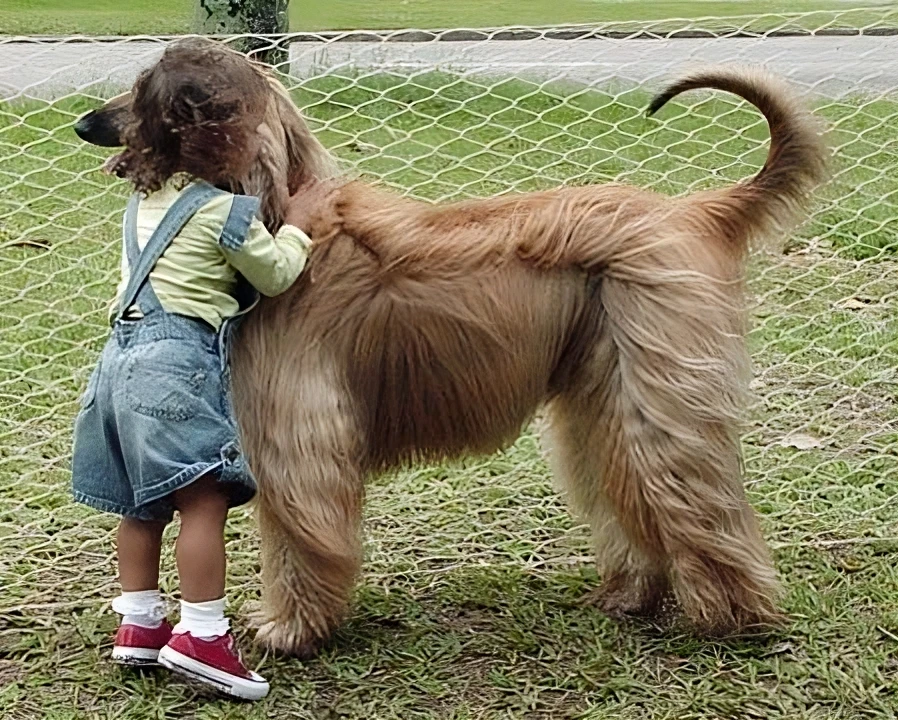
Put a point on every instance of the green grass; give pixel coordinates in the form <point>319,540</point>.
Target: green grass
<point>114,17</point>
<point>475,13</point>
<point>469,604</point>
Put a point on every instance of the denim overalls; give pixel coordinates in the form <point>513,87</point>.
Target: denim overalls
<point>156,414</point>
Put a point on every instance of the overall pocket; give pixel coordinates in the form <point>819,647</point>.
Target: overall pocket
<point>168,381</point>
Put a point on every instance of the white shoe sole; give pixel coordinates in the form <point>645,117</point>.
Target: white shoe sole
<point>134,656</point>
<point>224,682</point>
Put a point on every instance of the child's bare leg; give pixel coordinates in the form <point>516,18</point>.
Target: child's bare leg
<point>200,549</point>
<point>139,546</point>
<point>200,552</point>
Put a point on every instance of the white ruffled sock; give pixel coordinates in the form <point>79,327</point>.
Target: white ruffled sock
<point>143,607</point>
<point>205,620</point>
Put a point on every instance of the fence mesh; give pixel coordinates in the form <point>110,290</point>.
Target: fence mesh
<point>463,113</point>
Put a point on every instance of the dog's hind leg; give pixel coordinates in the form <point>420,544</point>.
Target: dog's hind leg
<point>634,579</point>
<point>652,437</point>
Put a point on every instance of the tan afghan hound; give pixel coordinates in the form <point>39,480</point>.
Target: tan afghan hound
<point>423,332</point>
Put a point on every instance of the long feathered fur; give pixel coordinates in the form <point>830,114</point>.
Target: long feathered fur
<point>424,331</point>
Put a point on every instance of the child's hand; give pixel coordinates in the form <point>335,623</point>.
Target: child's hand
<point>309,202</point>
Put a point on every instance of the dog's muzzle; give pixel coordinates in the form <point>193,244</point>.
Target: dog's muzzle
<point>96,132</point>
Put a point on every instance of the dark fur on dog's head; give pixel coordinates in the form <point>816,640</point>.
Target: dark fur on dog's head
<point>206,110</point>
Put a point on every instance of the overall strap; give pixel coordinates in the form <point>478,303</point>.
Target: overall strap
<point>132,249</point>
<point>244,210</point>
<point>189,202</point>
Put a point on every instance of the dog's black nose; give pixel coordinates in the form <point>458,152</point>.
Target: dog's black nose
<point>96,129</point>
<point>82,126</point>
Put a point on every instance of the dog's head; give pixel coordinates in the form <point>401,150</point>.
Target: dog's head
<point>206,110</point>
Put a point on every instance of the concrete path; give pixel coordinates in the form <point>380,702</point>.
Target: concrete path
<point>832,66</point>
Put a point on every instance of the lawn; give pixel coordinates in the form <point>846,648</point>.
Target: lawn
<point>142,17</point>
<point>469,603</point>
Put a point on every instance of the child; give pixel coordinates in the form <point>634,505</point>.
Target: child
<point>155,432</point>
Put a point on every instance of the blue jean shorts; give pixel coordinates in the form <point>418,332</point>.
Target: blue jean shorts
<point>157,415</point>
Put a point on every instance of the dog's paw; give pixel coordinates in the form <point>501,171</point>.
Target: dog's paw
<point>255,615</point>
<point>620,600</point>
<point>284,639</point>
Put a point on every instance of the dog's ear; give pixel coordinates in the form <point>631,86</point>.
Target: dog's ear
<point>302,147</point>
<point>288,153</point>
<point>268,177</point>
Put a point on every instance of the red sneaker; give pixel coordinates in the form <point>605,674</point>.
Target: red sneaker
<point>136,645</point>
<point>215,663</point>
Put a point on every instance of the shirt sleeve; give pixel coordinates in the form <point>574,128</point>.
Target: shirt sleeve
<point>270,263</point>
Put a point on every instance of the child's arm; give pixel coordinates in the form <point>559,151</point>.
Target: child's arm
<point>269,263</point>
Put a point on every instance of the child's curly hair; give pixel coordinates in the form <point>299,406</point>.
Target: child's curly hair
<point>206,111</point>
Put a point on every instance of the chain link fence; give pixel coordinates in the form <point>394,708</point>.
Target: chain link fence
<point>443,115</point>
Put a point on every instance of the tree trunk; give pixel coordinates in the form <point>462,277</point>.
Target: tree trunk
<point>247,17</point>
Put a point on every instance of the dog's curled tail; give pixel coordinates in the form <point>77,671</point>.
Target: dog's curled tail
<point>778,195</point>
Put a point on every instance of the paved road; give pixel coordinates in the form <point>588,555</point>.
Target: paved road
<point>832,66</point>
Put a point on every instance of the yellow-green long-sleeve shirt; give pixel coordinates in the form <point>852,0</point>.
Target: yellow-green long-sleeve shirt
<point>197,275</point>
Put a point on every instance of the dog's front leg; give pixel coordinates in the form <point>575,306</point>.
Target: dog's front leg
<point>303,442</point>
<point>306,581</point>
